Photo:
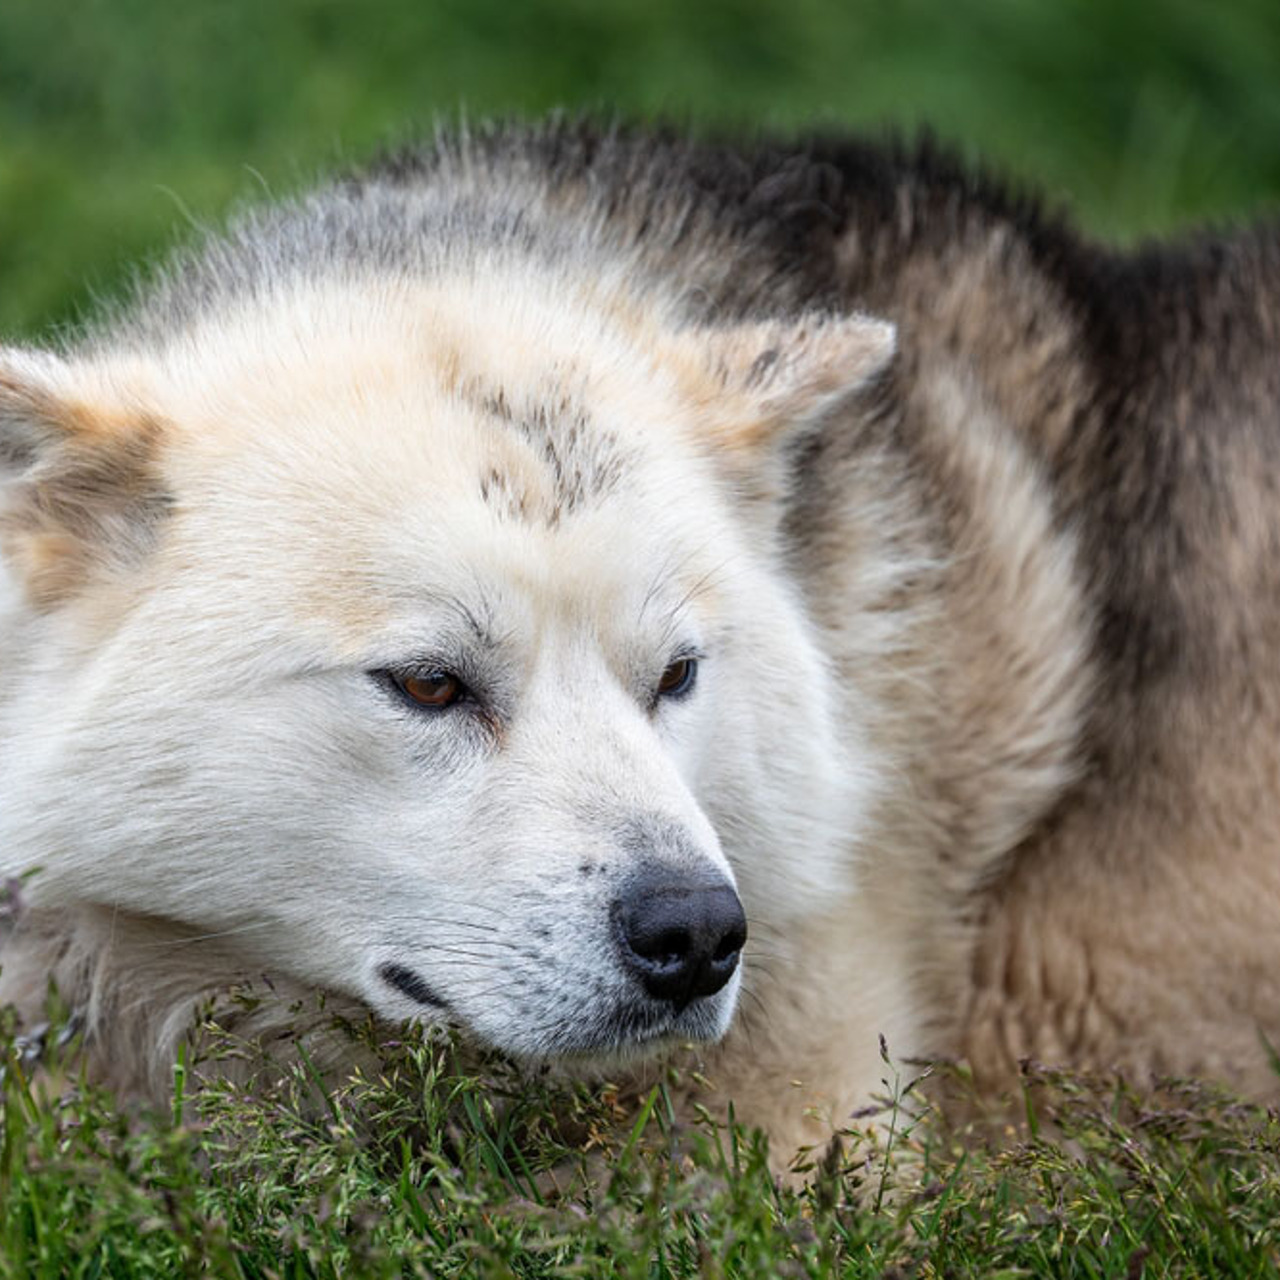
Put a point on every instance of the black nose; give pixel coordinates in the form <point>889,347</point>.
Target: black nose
<point>679,934</point>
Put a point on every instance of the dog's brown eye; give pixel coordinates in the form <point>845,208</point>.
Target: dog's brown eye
<point>436,690</point>
<point>678,678</point>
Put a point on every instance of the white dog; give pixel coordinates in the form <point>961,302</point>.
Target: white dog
<point>513,589</point>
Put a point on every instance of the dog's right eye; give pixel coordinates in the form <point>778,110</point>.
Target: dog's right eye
<point>433,691</point>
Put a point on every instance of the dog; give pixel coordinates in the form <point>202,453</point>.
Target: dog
<point>603,590</point>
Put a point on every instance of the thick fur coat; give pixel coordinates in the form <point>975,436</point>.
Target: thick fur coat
<point>966,528</point>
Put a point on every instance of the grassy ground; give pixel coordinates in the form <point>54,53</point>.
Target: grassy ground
<point>123,122</point>
<point>422,1171</point>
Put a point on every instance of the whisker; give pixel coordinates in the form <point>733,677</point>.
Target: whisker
<point>754,997</point>
<point>206,937</point>
<point>416,918</point>
<point>754,924</point>
<point>450,923</point>
<point>463,951</point>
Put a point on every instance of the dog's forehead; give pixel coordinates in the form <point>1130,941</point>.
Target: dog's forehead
<point>435,380</point>
<point>554,516</point>
<point>372,476</point>
<point>390,449</point>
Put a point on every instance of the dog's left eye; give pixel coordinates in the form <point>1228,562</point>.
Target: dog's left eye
<point>678,678</point>
<point>434,691</point>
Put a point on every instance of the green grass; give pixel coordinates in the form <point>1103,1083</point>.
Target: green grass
<point>123,120</point>
<point>422,1169</point>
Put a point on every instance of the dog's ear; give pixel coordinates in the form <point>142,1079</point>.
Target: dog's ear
<point>79,487</point>
<point>762,382</point>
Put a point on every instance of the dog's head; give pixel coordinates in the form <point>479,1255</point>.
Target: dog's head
<point>432,642</point>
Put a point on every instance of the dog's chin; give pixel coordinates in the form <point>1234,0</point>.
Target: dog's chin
<point>631,1032</point>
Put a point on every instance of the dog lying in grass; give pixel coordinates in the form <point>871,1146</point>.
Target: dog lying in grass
<point>602,591</point>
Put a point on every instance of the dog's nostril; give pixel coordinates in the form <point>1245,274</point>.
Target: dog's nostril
<point>667,948</point>
<point>680,936</point>
<point>730,945</point>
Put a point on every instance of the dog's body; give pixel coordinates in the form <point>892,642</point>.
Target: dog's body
<point>962,663</point>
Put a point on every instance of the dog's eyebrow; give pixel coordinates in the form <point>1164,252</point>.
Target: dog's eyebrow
<point>480,627</point>
<point>674,613</point>
<point>668,572</point>
<point>474,615</point>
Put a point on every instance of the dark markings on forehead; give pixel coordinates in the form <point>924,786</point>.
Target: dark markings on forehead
<point>583,461</point>
<point>501,492</point>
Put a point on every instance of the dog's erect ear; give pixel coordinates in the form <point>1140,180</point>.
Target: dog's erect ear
<point>762,382</point>
<point>78,482</point>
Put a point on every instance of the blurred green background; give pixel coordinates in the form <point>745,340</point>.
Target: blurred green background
<point>122,122</point>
